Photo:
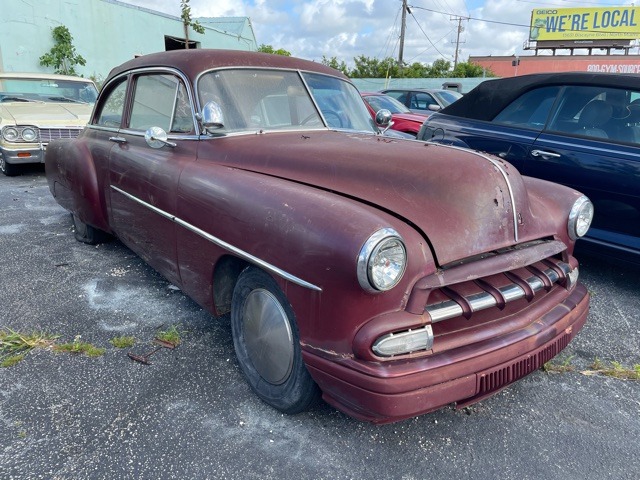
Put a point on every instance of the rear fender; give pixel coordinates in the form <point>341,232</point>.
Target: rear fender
<point>73,181</point>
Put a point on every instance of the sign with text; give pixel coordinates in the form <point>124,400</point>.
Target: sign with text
<point>585,23</point>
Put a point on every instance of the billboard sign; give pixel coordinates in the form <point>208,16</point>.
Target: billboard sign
<point>570,24</point>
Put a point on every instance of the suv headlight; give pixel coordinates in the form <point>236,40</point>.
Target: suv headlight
<point>10,134</point>
<point>382,261</point>
<point>29,134</point>
<point>580,218</point>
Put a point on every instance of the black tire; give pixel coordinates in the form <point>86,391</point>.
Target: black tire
<point>86,233</point>
<point>8,169</point>
<point>267,344</point>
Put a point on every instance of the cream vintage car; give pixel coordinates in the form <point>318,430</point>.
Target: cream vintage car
<point>36,108</point>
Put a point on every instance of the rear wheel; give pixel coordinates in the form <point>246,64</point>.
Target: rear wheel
<point>267,344</point>
<point>86,233</point>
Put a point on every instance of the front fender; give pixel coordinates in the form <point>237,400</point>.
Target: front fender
<point>312,234</point>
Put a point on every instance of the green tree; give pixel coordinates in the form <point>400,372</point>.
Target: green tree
<point>269,49</point>
<point>333,63</point>
<point>367,67</point>
<point>187,21</point>
<point>415,70</point>
<point>439,69</point>
<point>62,56</point>
<point>469,70</point>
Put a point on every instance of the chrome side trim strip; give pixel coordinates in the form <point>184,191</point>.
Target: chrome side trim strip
<point>221,243</point>
<point>481,301</point>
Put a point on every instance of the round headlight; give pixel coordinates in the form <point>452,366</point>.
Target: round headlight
<point>580,218</point>
<point>382,261</point>
<point>10,134</point>
<point>29,134</point>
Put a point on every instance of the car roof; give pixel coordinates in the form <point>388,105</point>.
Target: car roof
<point>430,90</point>
<point>192,62</point>
<point>490,97</point>
<point>42,76</point>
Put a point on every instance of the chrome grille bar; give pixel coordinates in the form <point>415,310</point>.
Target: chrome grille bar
<point>48,134</point>
<point>483,300</point>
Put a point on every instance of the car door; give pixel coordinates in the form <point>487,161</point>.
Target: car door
<point>592,143</point>
<point>145,172</point>
<point>511,133</point>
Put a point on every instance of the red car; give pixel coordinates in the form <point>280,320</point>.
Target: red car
<point>390,277</point>
<point>403,119</point>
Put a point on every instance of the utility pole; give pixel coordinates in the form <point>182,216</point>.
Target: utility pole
<point>405,8</point>
<point>460,30</point>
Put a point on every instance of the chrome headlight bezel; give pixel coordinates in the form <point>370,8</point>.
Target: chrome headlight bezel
<point>29,134</point>
<point>368,269</point>
<point>10,134</point>
<point>580,218</point>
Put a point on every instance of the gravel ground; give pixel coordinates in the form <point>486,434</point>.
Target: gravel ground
<point>190,415</point>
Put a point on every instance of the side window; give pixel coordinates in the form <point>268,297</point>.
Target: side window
<point>422,101</point>
<point>400,96</point>
<point>610,114</point>
<point>112,108</point>
<point>530,110</point>
<point>161,101</point>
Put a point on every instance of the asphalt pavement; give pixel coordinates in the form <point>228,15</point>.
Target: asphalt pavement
<point>190,415</point>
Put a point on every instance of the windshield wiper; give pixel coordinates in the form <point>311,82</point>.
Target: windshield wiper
<point>15,99</point>
<point>65,99</point>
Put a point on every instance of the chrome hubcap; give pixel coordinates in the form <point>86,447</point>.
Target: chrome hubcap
<point>267,336</point>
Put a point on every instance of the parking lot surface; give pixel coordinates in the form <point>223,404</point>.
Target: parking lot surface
<point>190,415</point>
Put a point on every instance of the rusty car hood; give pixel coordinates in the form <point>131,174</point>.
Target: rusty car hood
<point>45,114</point>
<point>460,200</point>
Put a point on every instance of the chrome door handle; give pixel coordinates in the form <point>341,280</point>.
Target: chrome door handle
<point>118,139</point>
<point>542,153</point>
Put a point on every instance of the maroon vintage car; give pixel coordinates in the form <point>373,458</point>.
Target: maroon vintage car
<point>391,276</point>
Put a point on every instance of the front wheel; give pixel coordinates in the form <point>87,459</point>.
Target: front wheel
<point>267,344</point>
<point>8,169</point>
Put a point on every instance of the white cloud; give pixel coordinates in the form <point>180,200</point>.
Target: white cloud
<point>349,28</point>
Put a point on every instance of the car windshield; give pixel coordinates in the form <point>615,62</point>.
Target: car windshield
<point>447,97</point>
<point>263,100</point>
<point>46,90</point>
<point>378,102</point>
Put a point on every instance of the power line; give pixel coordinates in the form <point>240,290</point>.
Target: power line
<point>425,34</point>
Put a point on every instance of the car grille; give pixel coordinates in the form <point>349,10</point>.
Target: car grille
<point>45,135</point>
<point>492,380</point>
<point>48,134</point>
<point>467,298</point>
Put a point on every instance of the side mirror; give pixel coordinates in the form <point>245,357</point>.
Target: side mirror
<point>383,118</point>
<point>434,108</point>
<point>211,117</point>
<point>156,137</point>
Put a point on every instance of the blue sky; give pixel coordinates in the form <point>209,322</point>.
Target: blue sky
<point>349,28</point>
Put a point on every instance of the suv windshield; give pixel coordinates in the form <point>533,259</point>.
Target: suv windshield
<point>257,99</point>
<point>46,90</point>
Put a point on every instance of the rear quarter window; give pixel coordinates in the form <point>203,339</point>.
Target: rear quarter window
<point>530,110</point>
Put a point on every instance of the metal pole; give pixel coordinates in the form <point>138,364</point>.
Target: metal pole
<point>402,31</point>
<point>455,60</point>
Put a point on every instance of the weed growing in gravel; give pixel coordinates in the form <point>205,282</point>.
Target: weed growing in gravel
<point>614,369</point>
<point>122,342</point>
<point>563,367</point>
<point>78,346</point>
<point>171,335</point>
<point>15,345</point>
